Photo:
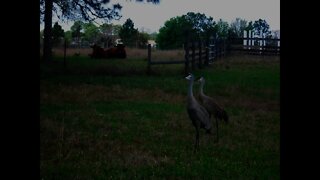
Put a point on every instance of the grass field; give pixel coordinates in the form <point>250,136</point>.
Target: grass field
<point>108,119</point>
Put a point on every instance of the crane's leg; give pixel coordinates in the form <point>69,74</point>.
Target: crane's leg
<point>217,129</point>
<point>196,146</point>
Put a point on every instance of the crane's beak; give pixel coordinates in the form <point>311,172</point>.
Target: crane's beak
<point>188,77</point>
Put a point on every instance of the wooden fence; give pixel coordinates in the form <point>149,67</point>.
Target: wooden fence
<point>255,43</point>
<point>197,53</point>
<point>150,62</point>
<point>256,46</point>
<point>202,53</point>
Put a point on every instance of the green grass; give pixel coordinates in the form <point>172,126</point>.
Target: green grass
<point>108,119</point>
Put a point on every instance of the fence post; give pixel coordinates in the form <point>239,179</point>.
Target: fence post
<point>65,53</point>
<point>193,56</point>
<point>253,36</point>
<point>149,58</point>
<point>186,63</point>
<point>216,48</point>
<point>206,61</point>
<point>200,54</point>
<point>220,48</point>
<point>278,45</point>
<point>261,37</point>
<point>213,49</point>
<point>250,40</point>
<point>245,39</point>
<point>224,47</point>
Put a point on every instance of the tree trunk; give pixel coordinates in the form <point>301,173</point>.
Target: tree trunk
<point>47,41</point>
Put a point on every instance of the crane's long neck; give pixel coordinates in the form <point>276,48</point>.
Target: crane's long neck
<point>190,91</point>
<point>201,88</point>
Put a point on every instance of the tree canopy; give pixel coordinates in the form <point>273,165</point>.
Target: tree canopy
<point>261,26</point>
<point>222,28</point>
<point>76,31</point>
<point>57,33</point>
<point>237,27</point>
<point>128,33</point>
<point>91,32</point>
<point>192,25</point>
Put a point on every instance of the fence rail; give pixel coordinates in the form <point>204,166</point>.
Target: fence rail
<point>255,45</point>
<point>202,53</point>
<point>150,62</point>
<point>166,62</point>
<point>197,54</point>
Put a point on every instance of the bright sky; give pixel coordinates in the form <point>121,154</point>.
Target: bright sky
<point>149,17</point>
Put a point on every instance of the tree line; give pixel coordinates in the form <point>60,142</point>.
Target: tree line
<point>105,35</point>
<point>197,26</point>
<point>171,35</point>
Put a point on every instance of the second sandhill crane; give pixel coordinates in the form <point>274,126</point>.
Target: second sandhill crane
<point>212,106</point>
<point>197,113</point>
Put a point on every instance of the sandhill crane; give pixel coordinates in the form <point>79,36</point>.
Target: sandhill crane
<point>198,114</point>
<point>212,106</point>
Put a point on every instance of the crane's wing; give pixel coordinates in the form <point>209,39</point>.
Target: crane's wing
<point>200,114</point>
<point>212,104</point>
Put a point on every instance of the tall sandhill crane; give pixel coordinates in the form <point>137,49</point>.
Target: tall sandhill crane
<point>212,106</point>
<point>198,114</point>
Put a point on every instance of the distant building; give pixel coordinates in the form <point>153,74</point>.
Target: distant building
<point>118,41</point>
<point>153,43</point>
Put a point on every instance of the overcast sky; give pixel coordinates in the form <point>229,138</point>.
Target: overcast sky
<point>149,17</point>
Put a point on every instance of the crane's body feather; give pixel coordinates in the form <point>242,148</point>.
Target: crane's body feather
<point>212,107</point>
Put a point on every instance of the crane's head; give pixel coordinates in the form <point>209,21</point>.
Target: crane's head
<point>190,77</point>
<point>201,79</point>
